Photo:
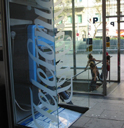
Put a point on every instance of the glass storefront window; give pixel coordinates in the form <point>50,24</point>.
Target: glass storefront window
<point>89,41</point>
<point>49,45</point>
<point>33,74</point>
<point>41,64</point>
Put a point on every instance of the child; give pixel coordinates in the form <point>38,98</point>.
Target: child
<point>94,76</point>
<point>92,60</point>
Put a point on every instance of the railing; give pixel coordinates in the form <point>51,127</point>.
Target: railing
<point>97,46</point>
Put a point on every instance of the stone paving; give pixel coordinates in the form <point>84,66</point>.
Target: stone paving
<point>104,112</point>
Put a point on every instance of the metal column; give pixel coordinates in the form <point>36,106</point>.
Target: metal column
<point>7,61</point>
<point>104,46</point>
<point>118,61</point>
<point>74,48</point>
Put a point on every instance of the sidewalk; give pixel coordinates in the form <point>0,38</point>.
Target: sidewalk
<point>104,112</point>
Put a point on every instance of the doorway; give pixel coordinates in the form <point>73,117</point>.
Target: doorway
<point>115,23</point>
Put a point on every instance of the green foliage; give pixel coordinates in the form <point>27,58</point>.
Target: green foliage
<point>100,38</point>
<point>122,38</point>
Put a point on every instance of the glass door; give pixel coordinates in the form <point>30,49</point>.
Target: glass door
<point>88,29</point>
<point>112,48</point>
<point>122,39</point>
<point>114,24</point>
<point>122,49</point>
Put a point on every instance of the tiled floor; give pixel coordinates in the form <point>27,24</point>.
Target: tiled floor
<point>104,112</point>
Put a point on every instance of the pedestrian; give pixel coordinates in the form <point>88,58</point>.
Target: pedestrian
<point>107,65</point>
<point>95,73</point>
<point>93,60</point>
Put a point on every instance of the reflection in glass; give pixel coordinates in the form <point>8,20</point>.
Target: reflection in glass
<point>112,48</point>
<point>33,50</point>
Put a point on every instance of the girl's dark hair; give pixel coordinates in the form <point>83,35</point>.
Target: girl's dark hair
<point>90,56</point>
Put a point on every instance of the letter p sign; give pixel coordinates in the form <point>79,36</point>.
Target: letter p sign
<point>112,23</point>
<point>95,19</point>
